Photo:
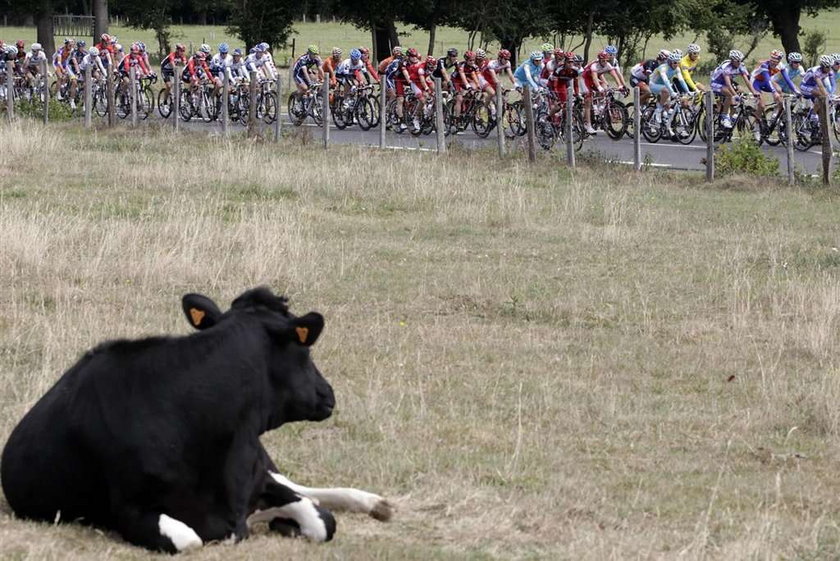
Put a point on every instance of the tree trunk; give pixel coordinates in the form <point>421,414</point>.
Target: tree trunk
<point>513,46</point>
<point>100,12</point>
<point>785,22</point>
<point>432,33</point>
<point>43,22</point>
<point>590,22</point>
<point>382,42</point>
<point>392,35</point>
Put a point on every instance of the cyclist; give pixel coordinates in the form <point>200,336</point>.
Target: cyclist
<point>133,59</point>
<point>396,53</point>
<point>785,77</point>
<point>418,77</point>
<point>372,75</point>
<point>813,84</point>
<point>269,70</point>
<point>465,77</point>
<point>59,62</point>
<point>94,62</point>
<point>118,55</point>
<point>612,52</point>
<point>105,43</point>
<point>21,55</point>
<point>662,86</point>
<point>722,83</point>
<point>491,75</point>
<point>196,69</point>
<point>330,64</point>
<point>762,81</point>
<point>167,65</point>
<point>688,64</point>
<point>32,63</point>
<point>219,65</point>
<point>594,81</point>
<point>445,66</point>
<point>236,71</point>
<point>303,68</point>
<point>835,69</point>
<point>528,72</point>
<point>395,83</point>
<point>547,53</point>
<point>350,73</point>
<point>640,74</point>
<point>563,75</point>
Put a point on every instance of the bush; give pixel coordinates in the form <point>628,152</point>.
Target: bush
<point>744,156</point>
<point>813,45</point>
<point>35,110</point>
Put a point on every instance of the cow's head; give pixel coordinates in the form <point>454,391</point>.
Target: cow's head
<point>298,390</point>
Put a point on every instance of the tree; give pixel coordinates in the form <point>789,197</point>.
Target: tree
<point>257,21</point>
<point>100,12</point>
<point>150,14</point>
<point>784,16</point>
<point>378,16</point>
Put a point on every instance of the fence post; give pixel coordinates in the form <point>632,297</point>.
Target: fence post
<point>500,121</point>
<point>225,101</point>
<point>46,78</point>
<point>10,93</point>
<point>637,125</point>
<point>88,101</point>
<point>710,136</point>
<point>382,110</point>
<point>441,138</point>
<point>132,94</point>
<point>277,107</point>
<point>252,105</point>
<point>529,123</point>
<point>326,110</point>
<point>175,102</point>
<point>825,130</point>
<point>789,143</point>
<point>570,142</point>
<point>109,91</point>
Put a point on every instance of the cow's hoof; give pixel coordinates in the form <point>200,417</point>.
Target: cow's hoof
<point>286,527</point>
<point>382,510</point>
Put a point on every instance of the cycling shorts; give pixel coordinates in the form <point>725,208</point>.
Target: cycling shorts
<point>634,81</point>
<point>763,86</point>
<point>657,88</point>
<point>302,77</point>
<point>808,91</point>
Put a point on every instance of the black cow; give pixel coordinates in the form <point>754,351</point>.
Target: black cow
<point>158,438</point>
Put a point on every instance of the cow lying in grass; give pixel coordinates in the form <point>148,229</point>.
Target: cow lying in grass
<point>158,438</point>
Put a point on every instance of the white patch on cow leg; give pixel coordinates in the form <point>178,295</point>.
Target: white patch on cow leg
<point>303,512</point>
<point>182,536</point>
<point>346,499</point>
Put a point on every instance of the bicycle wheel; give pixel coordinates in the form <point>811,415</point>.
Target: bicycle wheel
<point>339,111</point>
<point>545,133</point>
<point>145,105</point>
<point>650,129</point>
<point>373,101</point>
<point>835,121</point>
<point>186,108</point>
<point>164,103</point>
<point>747,127</point>
<point>615,120</point>
<point>123,106</point>
<point>513,123</point>
<point>100,102</point>
<point>803,134</point>
<point>297,112</point>
<point>269,107</point>
<point>773,127</point>
<point>482,121</point>
<point>316,109</point>
<point>683,126</point>
<point>365,113</point>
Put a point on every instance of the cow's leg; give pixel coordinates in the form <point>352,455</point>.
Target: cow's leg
<point>155,531</point>
<point>345,499</point>
<point>293,514</point>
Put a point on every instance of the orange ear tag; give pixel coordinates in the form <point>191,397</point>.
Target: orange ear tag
<point>303,333</point>
<point>196,315</point>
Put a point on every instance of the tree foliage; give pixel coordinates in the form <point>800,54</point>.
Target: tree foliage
<point>257,21</point>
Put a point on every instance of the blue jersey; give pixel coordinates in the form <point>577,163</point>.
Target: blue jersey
<point>308,60</point>
<point>786,76</point>
<point>665,74</point>
<point>527,74</point>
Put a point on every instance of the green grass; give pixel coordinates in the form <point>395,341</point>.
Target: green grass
<point>327,35</point>
<point>531,362</point>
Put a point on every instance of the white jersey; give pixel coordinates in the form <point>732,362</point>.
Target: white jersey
<point>219,63</point>
<point>92,62</point>
<point>348,68</point>
<point>35,60</point>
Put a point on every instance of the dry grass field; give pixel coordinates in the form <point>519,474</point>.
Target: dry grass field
<point>531,363</point>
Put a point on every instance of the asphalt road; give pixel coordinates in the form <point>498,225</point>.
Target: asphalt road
<point>661,154</point>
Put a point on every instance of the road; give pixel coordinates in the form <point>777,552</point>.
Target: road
<point>661,154</point>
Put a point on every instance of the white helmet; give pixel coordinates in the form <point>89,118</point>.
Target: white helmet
<point>205,48</point>
<point>119,47</point>
<point>677,52</point>
<point>674,57</point>
<point>664,53</point>
<point>93,51</point>
<point>693,49</point>
<point>36,47</point>
<point>794,57</point>
<point>826,60</point>
<point>736,55</point>
<point>836,57</point>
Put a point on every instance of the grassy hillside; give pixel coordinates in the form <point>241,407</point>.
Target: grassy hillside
<point>532,363</point>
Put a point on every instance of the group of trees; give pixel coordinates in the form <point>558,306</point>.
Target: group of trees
<point>629,24</point>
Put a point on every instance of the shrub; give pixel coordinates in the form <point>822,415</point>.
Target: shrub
<point>813,45</point>
<point>744,156</point>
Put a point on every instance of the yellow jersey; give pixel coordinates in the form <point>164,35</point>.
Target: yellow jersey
<point>688,66</point>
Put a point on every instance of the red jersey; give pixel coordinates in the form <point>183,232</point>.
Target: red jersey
<point>134,60</point>
<point>416,74</point>
<point>193,66</point>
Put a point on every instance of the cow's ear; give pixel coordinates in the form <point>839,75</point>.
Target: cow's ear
<point>201,312</point>
<point>306,329</point>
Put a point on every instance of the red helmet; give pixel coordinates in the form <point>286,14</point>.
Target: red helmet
<point>559,53</point>
<point>20,44</point>
<point>469,55</point>
<point>413,52</point>
<point>570,56</point>
<point>505,54</point>
<point>603,55</point>
<point>431,61</point>
<point>200,56</point>
<point>180,47</point>
<point>135,48</point>
<point>106,38</point>
<point>364,50</point>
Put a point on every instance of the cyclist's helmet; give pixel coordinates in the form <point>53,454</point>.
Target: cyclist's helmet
<point>180,47</point>
<point>578,59</point>
<point>105,38</point>
<point>355,54</point>
<point>547,47</point>
<point>113,39</point>
<point>81,43</point>
<point>396,51</point>
<point>558,52</point>
<point>612,50</point>
<point>93,51</point>
<point>336,52</point>
<point>674,57</point>
<point>603,55</point>
<point>265,46</point>
<point>205,48</point>
<point>470,56</point>
<point>36,47</point>
<point>536,55</point>
<point>663,54</point>
<point>412,52</point>
<point>313,50</point>
<point>479,53</point>
<point>505,54</point>
<point>200,56</point>
<point>794,57</point>
<point>836,57</point>
<point>776,54</point>
<point>693,49</point>
<point>20,44</point>
<point>826,60</point>
<point>135,48</point>
<point>67,40</point>
<point>431,61</point>
<point>364,50</point>
<point>735,54</point>
<point>224,48</point>
<point>237,52</point>
<point>570,56</point>
<point>452,52</point>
